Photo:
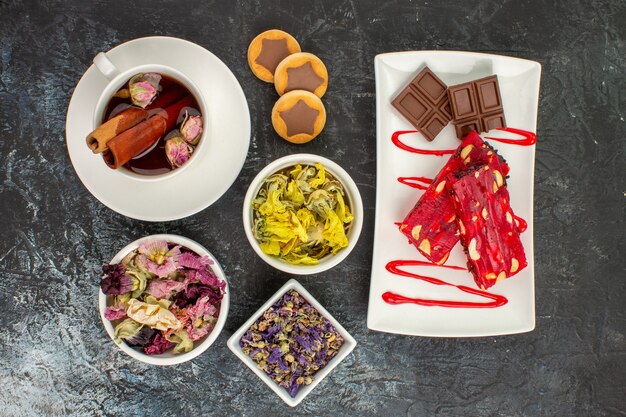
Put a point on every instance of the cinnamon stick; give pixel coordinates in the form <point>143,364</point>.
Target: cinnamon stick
<point>98,140</point>
<point>139,138</point>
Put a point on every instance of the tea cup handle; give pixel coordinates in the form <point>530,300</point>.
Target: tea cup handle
<point>105,66</point>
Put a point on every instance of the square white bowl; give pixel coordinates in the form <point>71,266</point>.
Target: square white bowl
<point>348,345</point>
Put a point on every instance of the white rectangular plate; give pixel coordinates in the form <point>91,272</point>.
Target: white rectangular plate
<point>519,87</point>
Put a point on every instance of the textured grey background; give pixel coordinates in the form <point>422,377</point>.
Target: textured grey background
<point>56,359</point>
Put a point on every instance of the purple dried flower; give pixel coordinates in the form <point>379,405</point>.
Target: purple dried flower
<point>270,332</point>
<point>291,341</point>
<point>304,343</point>
<point>302,360</point>
<point>293,389</point>
<point>193,293</point>
<point>114,280</point>
<point>275,355</point>
<point>157,344</point>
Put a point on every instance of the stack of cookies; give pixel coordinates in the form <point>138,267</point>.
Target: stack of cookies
<point>300,78</point>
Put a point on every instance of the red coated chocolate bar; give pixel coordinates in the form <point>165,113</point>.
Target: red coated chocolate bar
<point>431,225</point>
<point>486,223</point>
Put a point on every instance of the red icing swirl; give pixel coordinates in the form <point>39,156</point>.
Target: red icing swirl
<point>393,298</point>
<point>395,138</point>
<point>421,183</point>
<point>529,138</point>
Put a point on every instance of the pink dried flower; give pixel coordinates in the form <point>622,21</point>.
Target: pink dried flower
<point>191,128</point>
<point>143,88</point>
<point>158,258</point>
<point>201,318</point>
<point>189,260</point>
<point>115,312</point>
<point>177,151</point>
<point>163,288</point>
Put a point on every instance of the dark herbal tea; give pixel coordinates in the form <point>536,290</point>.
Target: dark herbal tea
<point>154,161</point>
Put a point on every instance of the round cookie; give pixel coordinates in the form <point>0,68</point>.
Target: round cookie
<point>298,116</point>
<point>301,71</point>
<point>267,50</point>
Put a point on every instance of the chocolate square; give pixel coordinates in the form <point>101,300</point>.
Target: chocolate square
<point>412,106</point>
<point>488,94</point>
<point>476,105</point>
<point>494,121</point>
<point>463,101</point>
<point>445,110</point>
<point>424,103</point>
<point>429,85</point>
<point>433,126</point>
<point>464,127</point>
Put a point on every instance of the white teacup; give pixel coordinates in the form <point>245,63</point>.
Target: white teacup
<point>119,78</point>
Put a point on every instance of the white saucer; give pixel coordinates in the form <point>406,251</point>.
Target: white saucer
<point>202,183</point>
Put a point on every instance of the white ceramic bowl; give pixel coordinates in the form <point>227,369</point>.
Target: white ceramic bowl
<point>199,346</point>
<point>347,347</point>
<point>353,199</point>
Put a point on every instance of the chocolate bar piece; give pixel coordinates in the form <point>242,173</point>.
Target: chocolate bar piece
<point>431,225</point>
<point>487,225</point>
<point>476,105</point>
<point>424,103</point>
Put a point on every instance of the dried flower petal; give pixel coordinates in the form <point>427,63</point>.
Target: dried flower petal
<point>163,288</point>
<point>162,270</point>
<point>152,315</point>
<point>189,260</point>
<point>141,338</point>
<point>158,251</point>
<point>196,291</point>
<point>157,344</point>
<point>182,341</point>
<point>177,151</point>
<point>191,129</point>
<point>114,280</point>
<point>125,329</point>
<point>115,312</point>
